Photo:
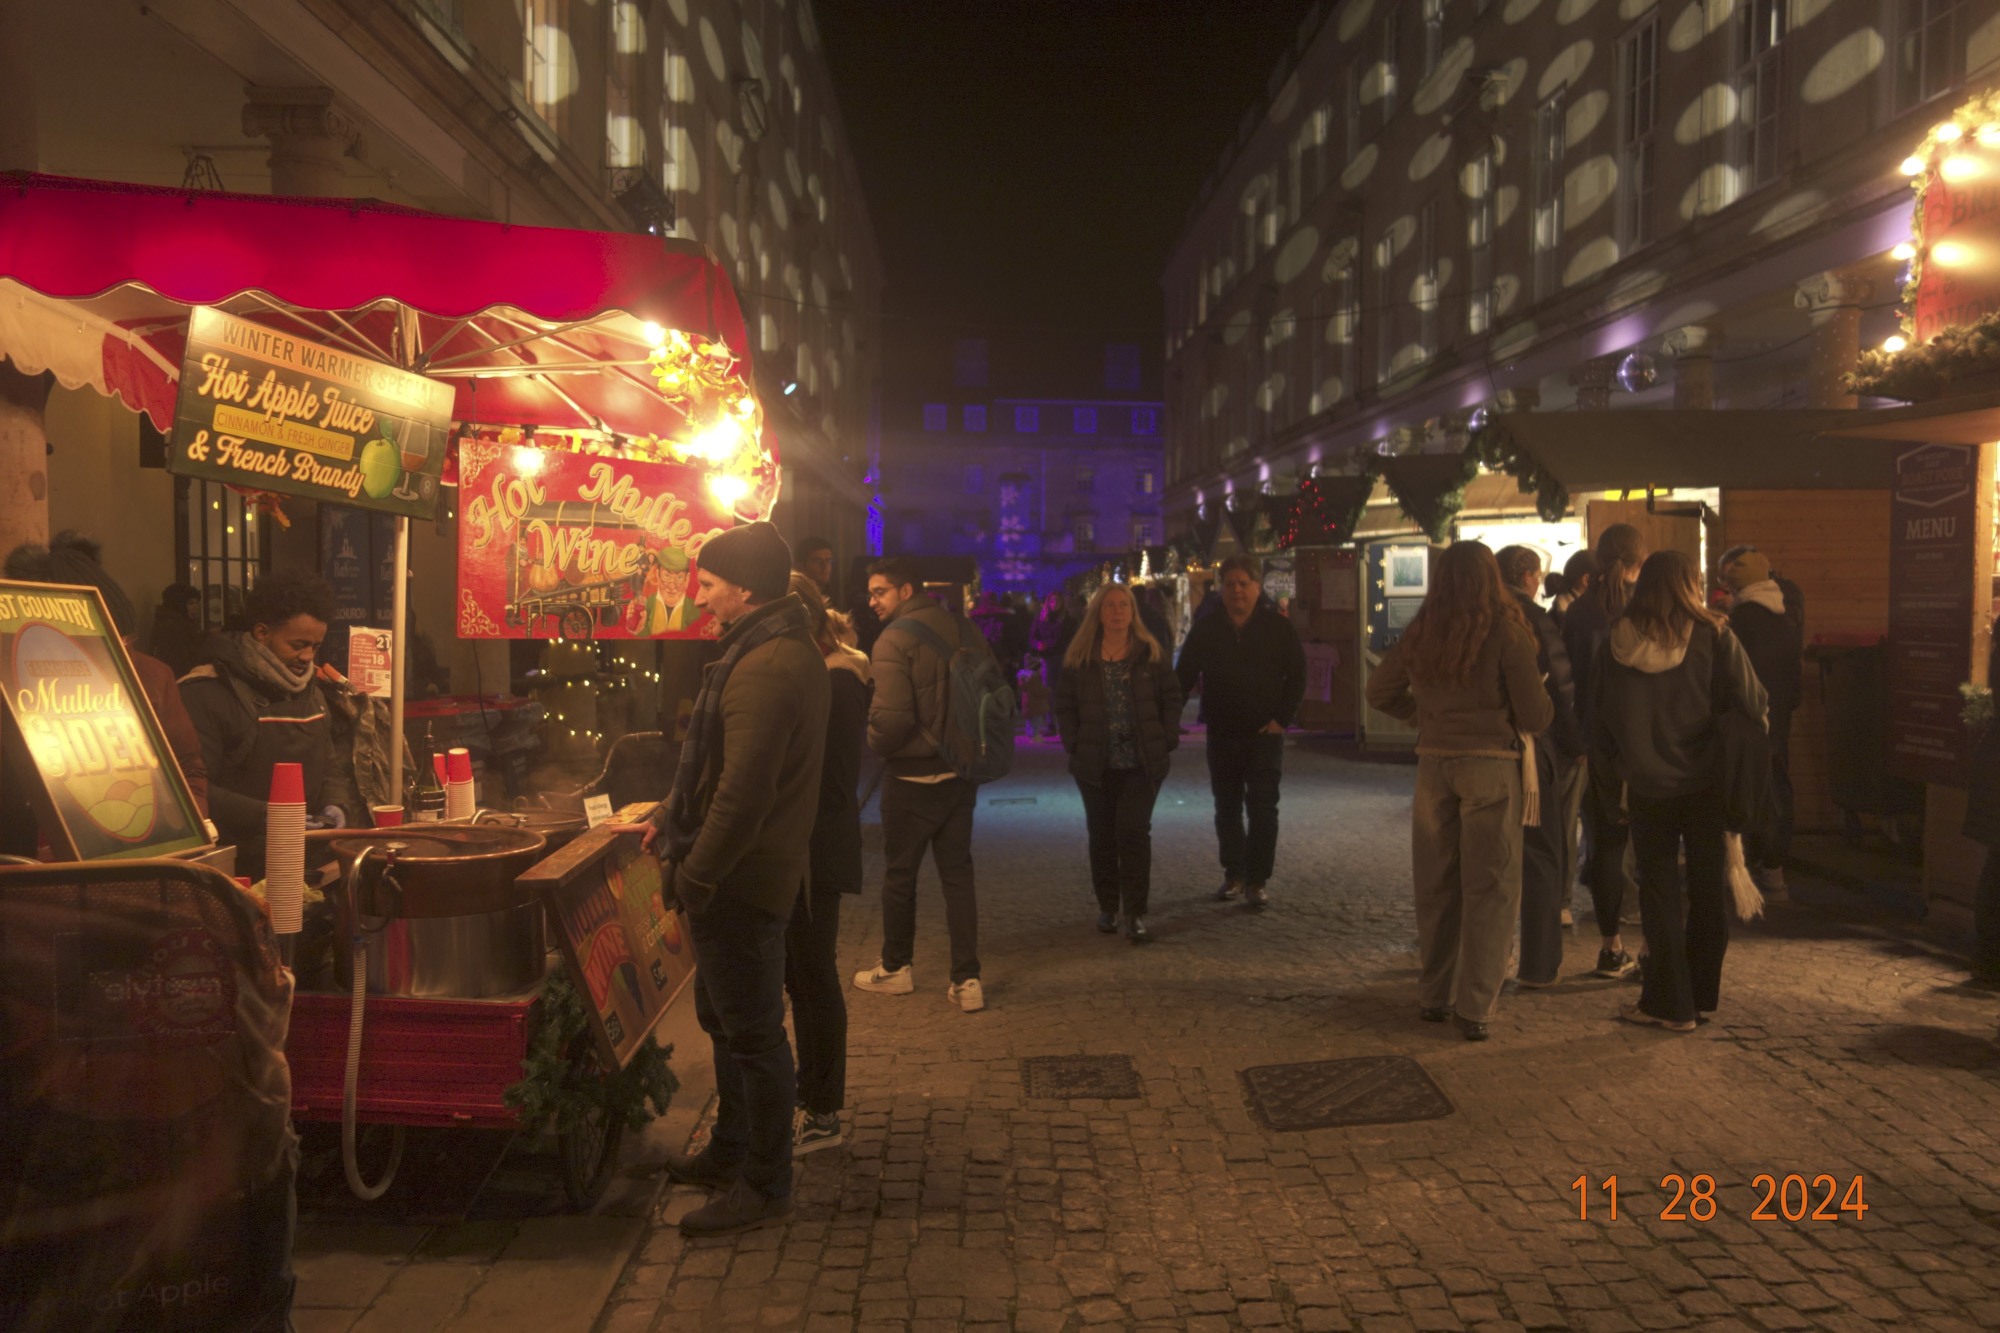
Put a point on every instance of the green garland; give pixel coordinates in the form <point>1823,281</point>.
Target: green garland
<point>1495,446</point>
<point>1433,513</point>
<point>561,1092</point>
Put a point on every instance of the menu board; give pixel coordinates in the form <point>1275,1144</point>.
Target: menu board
<point>628,953</point>
<point>78,728</point>
<point>553,543</point>
<point>272,411</point>
<point>1933,543</point>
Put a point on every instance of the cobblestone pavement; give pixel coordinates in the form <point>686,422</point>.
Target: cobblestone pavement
<point>1843,1049</point>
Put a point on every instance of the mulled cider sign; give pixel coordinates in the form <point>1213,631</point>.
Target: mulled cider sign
<point>553,543</point>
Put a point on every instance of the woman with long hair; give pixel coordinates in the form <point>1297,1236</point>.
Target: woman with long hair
<point>1465,673</point>
<point>812,975</point>
<point>1670,666</point>
<point>1586,626</point>
<point>1118,704</point>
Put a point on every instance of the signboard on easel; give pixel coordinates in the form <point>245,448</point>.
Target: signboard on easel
<point>1933,549</point>
<point>77,729</point>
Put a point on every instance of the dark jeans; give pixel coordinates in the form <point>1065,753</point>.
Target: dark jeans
<point>1986,920</point>
<point>1770,845</point>
<point>1118,810</point>
<point>1243,769</point>
<point>739,999</point>
<point>1544,878</point>
<point>933,816</point>
<point>1604,866</point>
<point>1687,929</point>
<point>819,1005</point>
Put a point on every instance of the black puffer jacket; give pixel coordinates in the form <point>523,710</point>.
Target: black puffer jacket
<point>1564,737</point>
<point>1085,724</point>
<point>1775,640</point>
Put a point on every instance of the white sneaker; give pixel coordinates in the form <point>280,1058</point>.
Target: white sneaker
<point>884,981</point>
<point>968,996</point>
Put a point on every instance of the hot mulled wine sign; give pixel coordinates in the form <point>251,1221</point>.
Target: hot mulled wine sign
<point>556,543</point>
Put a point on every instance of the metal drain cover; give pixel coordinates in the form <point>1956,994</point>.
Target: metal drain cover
<point>1080,1076</point>
<point>1328,1094</point>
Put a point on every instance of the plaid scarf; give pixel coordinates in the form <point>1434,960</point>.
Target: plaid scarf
<point>704,734</point>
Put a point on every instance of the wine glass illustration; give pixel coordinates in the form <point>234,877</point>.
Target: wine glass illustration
<point>414,440</point>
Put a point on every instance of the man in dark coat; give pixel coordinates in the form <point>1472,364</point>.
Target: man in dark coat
<point>1251,670</point>
<point>736,834</point>
<point>1773,635</point>
<point>1546,871</point>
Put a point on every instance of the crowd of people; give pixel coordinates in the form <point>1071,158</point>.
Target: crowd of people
<point>1596,740</point>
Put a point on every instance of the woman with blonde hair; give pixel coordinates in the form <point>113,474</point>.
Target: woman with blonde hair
<point>1670,666</point>
<point>1465,673</point>
<point>1118,707</point>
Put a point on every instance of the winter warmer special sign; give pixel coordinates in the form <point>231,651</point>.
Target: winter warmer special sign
<point>81,734</point>
<point>272,411</point>
<point>554,543</point>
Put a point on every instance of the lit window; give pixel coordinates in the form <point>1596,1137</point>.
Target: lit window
<point>1433,34</point>
<point>1146,482</point>
<point>937,416</point>
<point>1761,27</point>
<point>1930,50</point>
<point>1085,532</point>
<point>1639,73</point>
<point>1086,477</point>
<point>1145,421</point>
<point>1142,531</point>
<point>975,416</point>
<point>1549,148</point>
<point>1478,187</point>
<point>975,479</point>
<point>1027,420</point>
<point>1425,294</point>
<point>1083,421</point>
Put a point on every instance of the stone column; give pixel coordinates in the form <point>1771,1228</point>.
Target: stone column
<point>24,457</point>
<point>310,137</point>
<point>1834,301</point>
<point>1693,351</point>
<point>1592,380</point>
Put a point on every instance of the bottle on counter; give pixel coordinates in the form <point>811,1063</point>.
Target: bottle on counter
<point>427,799</point>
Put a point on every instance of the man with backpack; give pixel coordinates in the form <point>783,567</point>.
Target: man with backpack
<point>943,718</point>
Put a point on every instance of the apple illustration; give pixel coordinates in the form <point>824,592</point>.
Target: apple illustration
<point>379,469</point>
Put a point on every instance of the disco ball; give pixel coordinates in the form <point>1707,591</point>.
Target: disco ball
<point>1637,371</point>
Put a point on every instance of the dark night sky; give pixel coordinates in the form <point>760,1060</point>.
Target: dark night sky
<point>1030,163</point>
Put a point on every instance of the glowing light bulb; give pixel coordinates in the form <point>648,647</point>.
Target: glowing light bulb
<point>530,461</point>
<point>1913,166</point>
<point>1895,342</point>
<point>655,335</point>
<point>1962,166</point>
<point>1904,251</point>
<point>1949,132</point>
<point>1949,253</point>
<point>728,489</point>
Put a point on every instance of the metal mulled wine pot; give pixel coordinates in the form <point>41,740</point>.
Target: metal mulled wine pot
<point>442,914</point>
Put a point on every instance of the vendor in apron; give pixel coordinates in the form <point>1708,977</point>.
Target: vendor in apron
<point>257,701</point>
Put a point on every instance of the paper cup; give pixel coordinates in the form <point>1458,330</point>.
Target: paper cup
<point>458,764</point>
<point>386,816</point>
<point>288,785</point>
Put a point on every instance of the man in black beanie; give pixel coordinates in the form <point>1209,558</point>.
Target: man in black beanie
<point>735,833</point>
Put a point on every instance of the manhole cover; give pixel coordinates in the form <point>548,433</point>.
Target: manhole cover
<point>1080,1076</point>
<point>1327,1094</point>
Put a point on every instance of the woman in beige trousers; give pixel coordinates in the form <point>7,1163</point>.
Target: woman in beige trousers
<point>1464,672</point>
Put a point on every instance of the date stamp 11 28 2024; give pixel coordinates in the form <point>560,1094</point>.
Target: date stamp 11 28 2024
<point>1789,1198</point>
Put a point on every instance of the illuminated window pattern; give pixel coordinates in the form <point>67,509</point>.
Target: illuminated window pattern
<point>1550,144</point>
<point>1639,79</point>
<point>1083,421</point>
<point>975,417</point>
<point>1759,89</point>
<point>1027,420</point>
<point>1478,187</point>
<point>1930,50</point>
<point>937,416</point>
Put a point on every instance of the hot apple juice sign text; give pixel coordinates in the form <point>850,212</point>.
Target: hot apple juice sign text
<point>559,544</point>
<point>272,411</point>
